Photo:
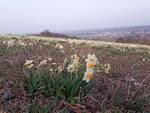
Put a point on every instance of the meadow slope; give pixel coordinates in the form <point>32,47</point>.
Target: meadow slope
<point>120,81</point>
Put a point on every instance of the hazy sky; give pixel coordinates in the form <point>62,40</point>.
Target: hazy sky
<point>31,16</point>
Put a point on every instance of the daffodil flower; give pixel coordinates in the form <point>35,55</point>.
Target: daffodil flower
<point>29,64</point>
<point>74,64</point>
<point>88,75</point>
<point>91,62</point>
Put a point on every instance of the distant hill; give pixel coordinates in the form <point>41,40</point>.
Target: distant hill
<point>136,34</point>
<point>111,32</point>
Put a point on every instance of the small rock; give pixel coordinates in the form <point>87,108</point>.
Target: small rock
<point>8,95</point>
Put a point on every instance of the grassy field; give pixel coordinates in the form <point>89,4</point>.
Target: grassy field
<point>53,75</point>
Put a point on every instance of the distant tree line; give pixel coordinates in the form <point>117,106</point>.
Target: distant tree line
<point>47,33</point>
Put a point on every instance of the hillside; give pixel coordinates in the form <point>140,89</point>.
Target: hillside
<point>49,75</point>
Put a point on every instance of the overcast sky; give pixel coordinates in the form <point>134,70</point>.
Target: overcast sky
<point>31,16</point>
